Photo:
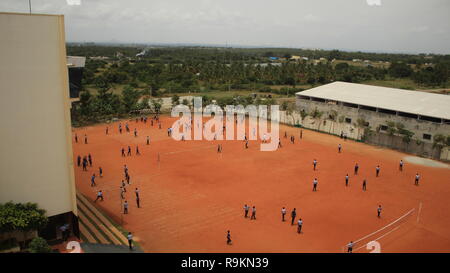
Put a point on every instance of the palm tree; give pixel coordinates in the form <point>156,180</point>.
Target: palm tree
<point>316,114</point>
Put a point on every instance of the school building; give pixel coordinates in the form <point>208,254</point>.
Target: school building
<point>349,108</point>
<point>36,148</point>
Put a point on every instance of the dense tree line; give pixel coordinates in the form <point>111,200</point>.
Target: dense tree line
<point>195,69</point>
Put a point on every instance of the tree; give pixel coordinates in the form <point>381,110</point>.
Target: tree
<point>316,114</point>
<point>130,97</point>
<point>332,115</point>
<point>341,66</point>
<point>144,104</point>
<point>391,128</point>
<point>185,102</point>
<point>23,217</point>
<point>400,70</point>
<point>303,114</point>
<point>85,103</point>
<point>157,104</point>
<point>440,141</point>
<point>39,245</point>
<point>175,100</point>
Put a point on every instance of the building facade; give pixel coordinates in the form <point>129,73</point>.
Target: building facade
<point>36,148</point>
<point>361,106</point>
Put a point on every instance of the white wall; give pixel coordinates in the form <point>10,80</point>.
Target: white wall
<point>35,138</point>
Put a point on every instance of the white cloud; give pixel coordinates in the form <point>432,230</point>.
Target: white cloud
<point>311,18</point>
<point>351,24</point>
<point>419,29</point>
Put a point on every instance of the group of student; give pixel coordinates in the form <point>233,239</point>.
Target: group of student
<point>129,150</point>
<point>87,160</point>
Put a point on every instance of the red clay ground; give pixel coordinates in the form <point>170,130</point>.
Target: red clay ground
<point>196,195</point>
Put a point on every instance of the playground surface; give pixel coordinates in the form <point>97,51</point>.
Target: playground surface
<point>192,194</point>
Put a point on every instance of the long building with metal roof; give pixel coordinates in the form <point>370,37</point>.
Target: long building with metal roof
<point>422,104</point>
<point>358,106</point>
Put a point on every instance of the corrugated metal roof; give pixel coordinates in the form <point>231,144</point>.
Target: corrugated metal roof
<point>414,102</point>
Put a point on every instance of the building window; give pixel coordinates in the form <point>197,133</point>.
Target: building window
<point>408,115</point>
<point>431,119</point>
<point>317,99</point>
<point>348,120</point>
<point>368,108</point>
<point>352,105</point>
<point>427,136</point>
<point>386,111</point>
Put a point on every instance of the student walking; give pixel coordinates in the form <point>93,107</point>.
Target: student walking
<point>136,191</point>
<point>350,247</point>
<point>314,164</point>
<point>138,199</point>
<point>125,207</point>
<point>377,171</point>
<point>356,168</point>
<point>130,240</point>
<point>364,185</point>
<point>90,160</point>
<point>346,180</point>
<point>122,192</point>
<point>339,148</point>
<point>148,140</point>
<point>79,161</point>
<point>299,225</point>
<point>85,164</point>
<point>293,215</point>
<point>85,139</point>
<point>93,180</point>
<point>379,211</point>
<point>228,238</point>
<point>416,180</point>
<point>283,213</point>
<point>246,208</point>
<point>315,184</point>
<point>100,171</point>
<point>129,151</point>
<point>123,152</point>
<point>76,138</point>
<point>400,166</point>
<point>99,196</point>
<point>253,217</point>
<point>137,150</point>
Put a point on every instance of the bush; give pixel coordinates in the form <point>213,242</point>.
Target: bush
<point>39,245</point>
<point>23,217</point>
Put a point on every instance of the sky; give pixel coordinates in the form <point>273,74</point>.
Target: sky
<point>403,26</point>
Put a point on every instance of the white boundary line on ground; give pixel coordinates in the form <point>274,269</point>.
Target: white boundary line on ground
<point>418,213</point>
<point>386,226</point>
<point>379,238</point>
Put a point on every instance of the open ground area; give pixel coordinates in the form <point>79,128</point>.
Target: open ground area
<point>193,195</point>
